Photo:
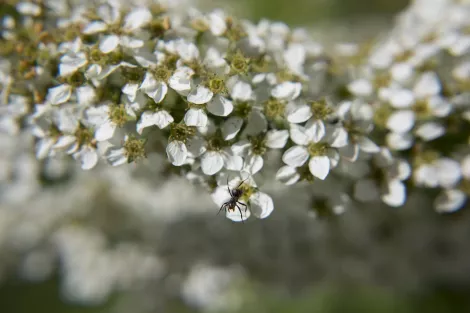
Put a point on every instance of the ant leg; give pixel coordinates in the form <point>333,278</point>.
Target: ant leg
<point>224,206</point>
<point>241,214</point>
<point>228,188</point>
<point>242,182</point>
<point>240,203</point>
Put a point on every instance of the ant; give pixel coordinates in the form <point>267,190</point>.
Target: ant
<point>235,195</point>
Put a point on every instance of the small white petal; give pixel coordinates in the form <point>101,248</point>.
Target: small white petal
<point>180,81</point>
<point>238,216</point>
<point>288,175</point>
<point>87,157</point>
<point>109,43</point>
<point>298,113</point>
<point>105,131</point>
<point>426,175</point>
<point>401,121</point>
<point>195,117</point>
<point>287,91</point>
<point>211,162</point>
<point>86,95</point>
<point>339,137</point>
<point>130,90</point>
<point>59,94</point>
<point>450,201</point>
<point>277,139</point>
<point>395,194</point>
<point>64,142</point>
<point>233,162</point>
<point>220,106</point>
<point>361,88</point>
<point>162,119</point>
<point>296,156</point>
<point>43,148</point>
<point>428,85</point>
<point>200,95</point>
<point>95,27</point>
<point>253,164</point>
<point>448,172</point>
<point>430,131</point>
<point>319,166</point>
<point>116,156</point>
<point>97,115</point>
<point>398,141</point>
<point>256,124</point>
<point>69,64</point>
<point>466,167</point>
<point>316,130</point>
<point>159,93</point>
<point>137,18</point>
<point>241,91</point>
<point>402,98</point>
<point>261,205</point>
<point>177,152</point>
<point>299,135</point>
<point>231,127</point>
<point>367,145</point>
<point>401,72</point>
<point>217,24</point>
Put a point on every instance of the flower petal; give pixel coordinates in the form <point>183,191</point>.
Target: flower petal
<point>180,81</point>
<point>401,121</point>
<point>287,91</point>
<point>430,131</point>
<point>398,141</point>
<point>450,201</point>
<point>211,162</point>
<point>288,175</point>
<point>277,139</point>
<point>200,95</point>
<point>319,166</point>
<point>298,113</point>
<point>59,94</point>
<point>195,117</point>
<point>109,43</point>
<point>220,106</point>
<point>253,164</point>
<point>116,156</point>
<point>87,157</point>
<point>448,172</point>
<point>395,194</point>
<point>261,205</point>
<point>299,135</point>
<point>177,152</point>
<point>367,145</point>
<point>296,156</point>
<point>105,131</point>
<point>316,130</point>
<point>231,127</point>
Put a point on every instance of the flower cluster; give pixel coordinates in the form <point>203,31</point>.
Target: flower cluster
<point>112,82</point>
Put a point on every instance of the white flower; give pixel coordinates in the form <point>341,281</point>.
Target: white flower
<point>310,146</point>
<point>212,161</point>
<point>288,175</point>
<point>259,204</point>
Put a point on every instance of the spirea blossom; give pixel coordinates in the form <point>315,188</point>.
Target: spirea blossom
<point>225,101</point>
